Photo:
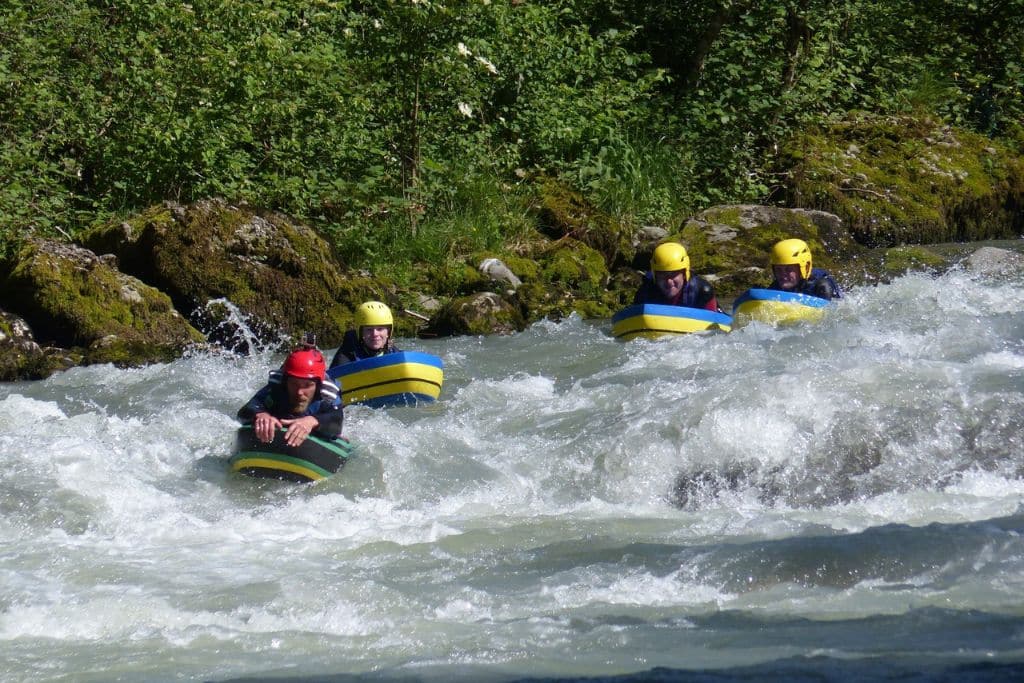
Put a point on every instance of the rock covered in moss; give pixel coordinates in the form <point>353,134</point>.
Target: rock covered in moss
<point>20,356</point>
<point>455,279</point>
<point>578,266</point>
<point>72,299</point>
<point>730,243</point>
<point>566,213</point>
<point>896,180</point>
<point>899,260</point>
<point>568,276</point>
<point>279,274</point>
<point>477,314</point>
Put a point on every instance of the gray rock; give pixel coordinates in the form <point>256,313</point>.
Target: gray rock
<point>499,272</point>
<point>71,298</point>
<point>428,303</point>
<point>649,235</point>
<point>994,261</point>
<point>480,313</point>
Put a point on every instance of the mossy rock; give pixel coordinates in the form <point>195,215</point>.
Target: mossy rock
<point>19,365</point>
<point>71,298</point>
<point>539,300</point>
<point>478,314</point>
<point>884,264</point>
<point>900,260</point>
<point>565,213</point>
<point>896,180</point>
<point>730,244</point>
<point>577,266</point>
<point>279,274</point>
<point>18,350</point>
<point>456,279</point>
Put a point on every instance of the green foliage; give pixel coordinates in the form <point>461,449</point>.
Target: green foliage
<point>638,179</point>
<point>481,213</point>
<point>404,129</point>
<point>752,73</point>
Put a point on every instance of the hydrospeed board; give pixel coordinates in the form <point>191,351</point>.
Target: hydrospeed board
<point>777,307</point>
<point>656,320</point>
<point>314,459</point>
<point>402,378</point>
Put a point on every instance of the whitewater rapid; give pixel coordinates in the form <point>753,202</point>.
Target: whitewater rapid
<point>572,506</point>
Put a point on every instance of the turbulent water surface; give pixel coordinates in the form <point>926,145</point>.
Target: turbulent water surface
<point>833,502</point>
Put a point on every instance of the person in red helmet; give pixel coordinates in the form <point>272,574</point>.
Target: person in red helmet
<point>299,398</point>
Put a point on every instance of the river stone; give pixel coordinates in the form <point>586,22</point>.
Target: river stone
<point>18,350</point>
<point>477,314</point>
<point>70,298</point>
<point>995,261</point>
<point>280,275</point>
<point>499,272</point>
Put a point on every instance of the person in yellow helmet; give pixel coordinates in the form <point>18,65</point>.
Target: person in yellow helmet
<point>792,271</point>
<point>670,282</point>
<point>371,337</point>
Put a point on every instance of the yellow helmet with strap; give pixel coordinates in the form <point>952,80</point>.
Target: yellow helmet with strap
<point>374,314</point>
<point>792,252</point>
<point>670,257</point>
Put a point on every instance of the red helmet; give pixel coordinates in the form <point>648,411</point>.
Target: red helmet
<point>305,363</point>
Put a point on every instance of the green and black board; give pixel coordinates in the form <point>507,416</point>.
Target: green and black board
<point>315,459</point>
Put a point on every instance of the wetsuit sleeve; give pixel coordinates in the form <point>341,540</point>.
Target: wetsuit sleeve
<point>346,353</point>
<point>261,402</point>
<point>643,294</point>
<point>824,287</point>
<point>821,289</point>
<point>706,298</point>
<point>837,293</point>
<point>328,412</point>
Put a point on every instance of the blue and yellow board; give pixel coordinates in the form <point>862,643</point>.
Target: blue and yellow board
<point>313,460</point>
<point>776,307</point>
<point>402,378</point>
<point>655,320</point>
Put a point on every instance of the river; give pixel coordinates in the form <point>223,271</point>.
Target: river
<point>829,502</point>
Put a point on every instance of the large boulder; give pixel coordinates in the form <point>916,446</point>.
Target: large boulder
<point>565,213</point>
<point>220,263</point>
<point>481,313</point>
<point>71,299</point>
<point>906,180</point>
<point>22,358</point>
<point>730,243</point>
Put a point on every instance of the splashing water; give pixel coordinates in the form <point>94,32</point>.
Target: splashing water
<point>769,501</point>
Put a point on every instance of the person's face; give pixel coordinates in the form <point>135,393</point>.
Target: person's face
<point>301,391</point>
<point>670,282</point>
<point>788,277</point>
<point>375,338</point>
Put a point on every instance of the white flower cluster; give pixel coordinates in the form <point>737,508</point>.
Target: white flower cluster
<point>487,64</point>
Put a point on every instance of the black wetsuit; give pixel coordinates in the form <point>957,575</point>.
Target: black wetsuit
<point>352,349</point>
<point>696,293</point>
<point>273,399</point>
<point>819,284</point>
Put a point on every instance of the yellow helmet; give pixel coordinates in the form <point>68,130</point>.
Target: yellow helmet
<point>670,256</point>
<point>792,252</point>
<point>373,314</point>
